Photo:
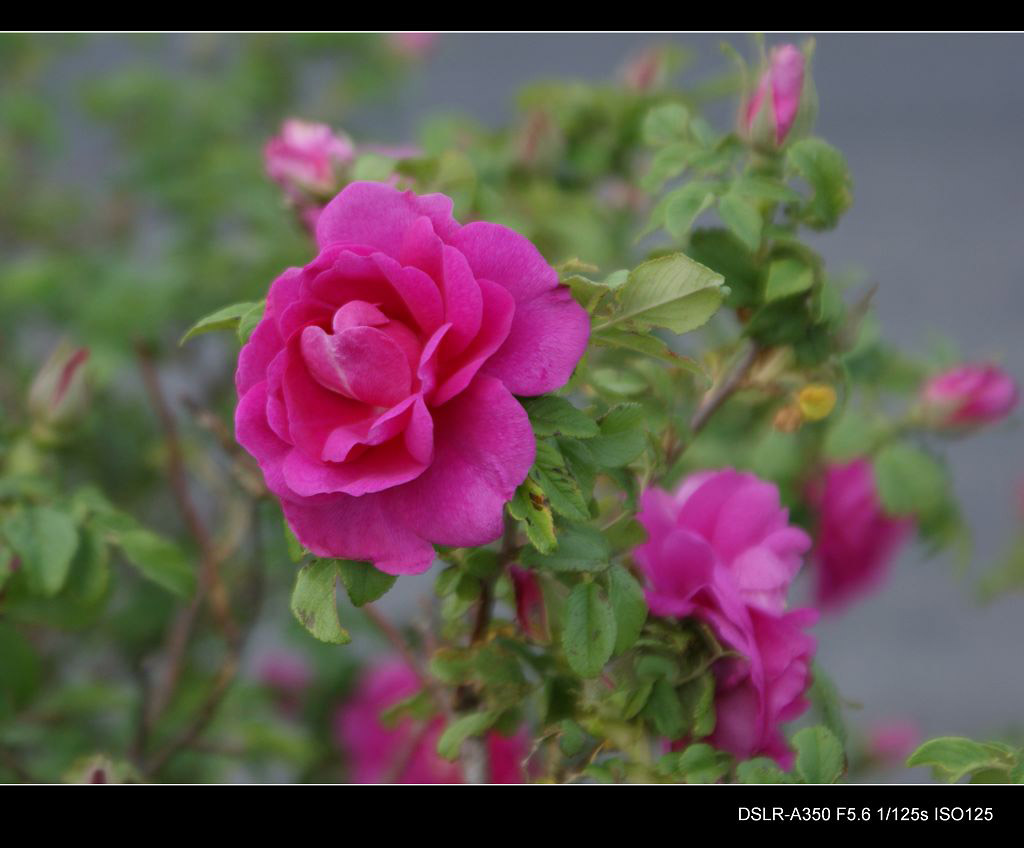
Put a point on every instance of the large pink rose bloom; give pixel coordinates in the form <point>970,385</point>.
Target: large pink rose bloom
<point>779,90</point>
<point>305,157</point>
<point>856,539</point>
<point>721,549</point>
<point>406,751</point>
<point>377,393</point>
<point>969,395</point>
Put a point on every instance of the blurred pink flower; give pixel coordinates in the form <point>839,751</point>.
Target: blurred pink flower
<point>721,549</point>
<point>288,676</point>
<point>969,395</point>
<point>306,158</point>
<point>893,741</point>
<point>776,99</point>
<point>413,45</point>
<point>856,540</point>
<point>406,751</point>
<point>378,391</point>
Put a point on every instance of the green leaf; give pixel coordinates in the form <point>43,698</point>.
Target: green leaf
<point>364,583</point>
<point>825,699</point>
<point>665,123</point>
<point>158,560</point>
<point>314,604</point>
<point>628,606</point>
<point>699,763</point>
<point>580,548</point>
<point>296,552</point>
<point>551,415</point>
<point>761,770</point>
<point>664,710</point>
<point>819,755</point>
<point>910,482</point>
<point>247,323</point>
<point>19,669</point>
<point>672,291</point>
<point>589,632</point>
<point>788,276</point>
<point>649,345</point>
<point>825,170</point>
<point>530,506</point>
<point>684,205</point>
<point>45,538</point>
<point>742,218</point>
<point>552,472</point>
<point>698,699</point>
<point>450,743</point>
<point>223,319</point>
<point>953,757</point>
<point>622,437</point>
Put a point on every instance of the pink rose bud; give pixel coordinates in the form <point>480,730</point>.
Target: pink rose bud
<point>646,70</point>
<point>968,396</point>
<point>404,749</point>
<point>893,741</point>
<point>287,676</point>
<point>721,549</point>
<point>771,111</point>
<point>306,158</point>
<point>856,540</point>
<point>412,45</point>
<point>378,393</point>
<point>530,611</point>
<point>59,393</point>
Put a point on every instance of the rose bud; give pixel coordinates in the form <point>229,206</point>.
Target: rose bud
<point>772,109</point>
<point>891,742</point>
<point>59,393</point>
<point>306,158</point>
<point>968,396</point>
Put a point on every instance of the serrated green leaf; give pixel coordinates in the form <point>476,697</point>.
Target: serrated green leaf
<point>953,757</point>
<point>474,724</point>
<point>909,481</point>
<point>530,506</point>
<point>672,291</point>
<point>698,699</point>
<point>226,318</point>
<point>622,437</point>
<point>665,123</point>
<point>685,204</point>
<point>580,548</point>
<point>314,603</point>
<point>364,583</point>
<point>698,763</point>
<point>742,218</point>
<point>45,539</point>
<point>761,770</point>
<point>551,415</point>
<point>552,473</point>
<point>664,710</point>
<point>628,605</point>
<point>825,170</point>
<point>158,559</point>
<point>588,637</point>
<point>819,755</point>
<point>786,277</point>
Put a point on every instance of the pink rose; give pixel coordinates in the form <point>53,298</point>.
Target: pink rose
<point>969,395</point>
<point>784,79</point>
<point>406,751</point>
<point>306,157</point>
<point>721,549</point>
<point>856,540</point>
<point>377,393</point>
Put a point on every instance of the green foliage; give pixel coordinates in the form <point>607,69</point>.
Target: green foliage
<point>819,755</point>
<point>314,603</point>
<point>363,582</point>
<point>951,758</point>
<point>590,630</point>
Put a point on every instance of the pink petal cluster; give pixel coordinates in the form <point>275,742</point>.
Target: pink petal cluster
<point>721,549</point>
<point>968,396</point>
<point>856,540</point>
<point>405,751</point>
<point>305,158</point>
<point>377,393</point>
<point>778,92</point>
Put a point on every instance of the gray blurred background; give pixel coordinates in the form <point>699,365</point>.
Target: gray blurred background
<point>933,128</point>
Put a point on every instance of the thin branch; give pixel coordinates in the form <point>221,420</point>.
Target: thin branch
<point>720,393</point>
